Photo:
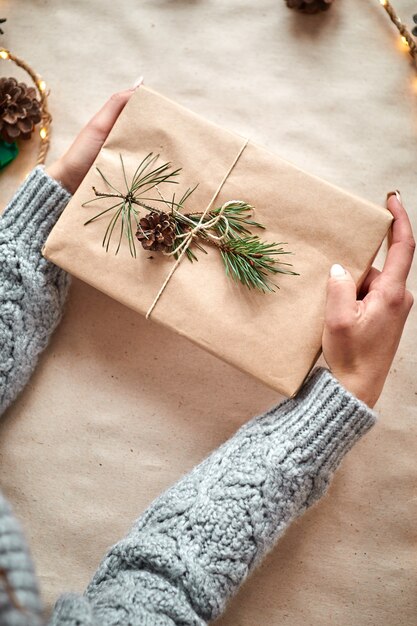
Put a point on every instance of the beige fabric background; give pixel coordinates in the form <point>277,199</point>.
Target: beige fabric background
<point>119,408</point>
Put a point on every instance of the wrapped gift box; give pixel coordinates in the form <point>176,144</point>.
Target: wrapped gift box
<point>275,337</point>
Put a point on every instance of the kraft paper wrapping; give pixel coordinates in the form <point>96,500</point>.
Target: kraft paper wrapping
<point>275,337</point>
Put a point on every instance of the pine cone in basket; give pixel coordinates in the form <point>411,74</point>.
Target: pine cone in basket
<point>156,231</point>
<point>309,6</point>
<point>19,110</point>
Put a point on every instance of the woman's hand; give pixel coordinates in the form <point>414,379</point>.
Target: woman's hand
<point>71,168</point>
<point>361,337</point>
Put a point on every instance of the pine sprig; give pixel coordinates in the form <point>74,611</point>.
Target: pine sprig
<point>250,261</point>
<point>145,179</point>
<point>247,259</point>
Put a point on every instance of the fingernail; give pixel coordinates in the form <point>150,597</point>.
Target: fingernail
<point>138,82</point>
<point>337,270</point>
<point>395,193</point>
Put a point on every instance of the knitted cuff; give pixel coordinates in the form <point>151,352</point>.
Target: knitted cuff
<point>324,421</point>
<point>20,603</point>
<point>34,208</point>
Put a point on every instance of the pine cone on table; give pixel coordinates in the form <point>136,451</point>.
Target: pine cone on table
<point>19,110</point>
<point>156,231</point>
<point>309,6</point>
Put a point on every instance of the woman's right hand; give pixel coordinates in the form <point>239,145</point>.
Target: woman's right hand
<point>361,337</point>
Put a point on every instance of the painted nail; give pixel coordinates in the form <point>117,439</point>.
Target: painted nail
<point>337,270</point>
<point>395,193</point>
<point>138,82</point>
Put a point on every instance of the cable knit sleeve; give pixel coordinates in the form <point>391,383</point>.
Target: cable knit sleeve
<point>195,545</point>
<point>32,290</point>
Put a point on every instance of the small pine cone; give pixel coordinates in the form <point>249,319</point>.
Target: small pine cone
<point>19,110</point>
<point>156,231</point>
<point>309,6</point>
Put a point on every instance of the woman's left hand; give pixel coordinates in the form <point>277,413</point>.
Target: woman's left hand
<point>71,168</point>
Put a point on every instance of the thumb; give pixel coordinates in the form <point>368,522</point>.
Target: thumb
<point>341,297</point>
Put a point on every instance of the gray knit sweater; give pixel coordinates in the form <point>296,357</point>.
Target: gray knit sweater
<point>188,553</point>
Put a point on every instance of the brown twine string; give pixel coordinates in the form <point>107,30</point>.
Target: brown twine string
<point>184,245</point>
<point>46,118</point>
<point>403,30</point>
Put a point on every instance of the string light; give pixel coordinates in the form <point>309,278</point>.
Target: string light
<point>4,54</point>
<point>42,85</point>
<point>405,35</point>
<point>43,132</point>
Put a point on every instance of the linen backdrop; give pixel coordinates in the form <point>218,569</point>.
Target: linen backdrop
<point>119,408</point>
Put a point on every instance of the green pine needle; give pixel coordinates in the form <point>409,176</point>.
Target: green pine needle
<point>250,261</point>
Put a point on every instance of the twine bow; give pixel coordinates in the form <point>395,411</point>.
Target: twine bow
<point>205,226</point>
<point>201,225</point>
